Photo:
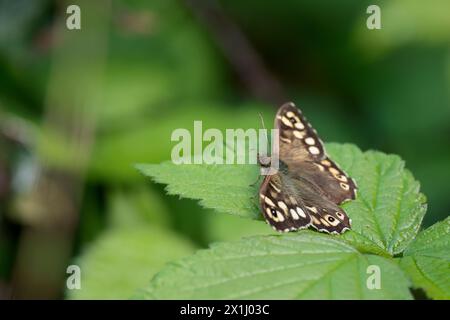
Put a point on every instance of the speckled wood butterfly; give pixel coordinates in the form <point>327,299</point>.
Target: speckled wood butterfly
<point>308,186</point>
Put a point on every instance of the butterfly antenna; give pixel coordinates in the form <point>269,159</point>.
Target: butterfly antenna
<point>262,120</point>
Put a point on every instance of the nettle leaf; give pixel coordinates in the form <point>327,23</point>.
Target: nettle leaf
<point>389,208</point>
<point>427,260</point>
<point>386,214</point>
<point>226,188</point>
<point>305,265</point>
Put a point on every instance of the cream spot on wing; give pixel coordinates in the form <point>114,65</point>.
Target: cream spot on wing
<point>283,206</point>
<point>299,125</point>
<point>341,177</point>
<point>285,140</point>
<point>321,168</point>
<point>269,202</point>
<point>324,222</point>
<point>301,212</point>
<point>313,209</point>
<point>290,114</point>
<point>275,187</point>
<point>262,196</point>
<point>315,220</point>
<point>314,150</point>
<point>280,216</point>
<point>286,230</point>
<point>294,214</point>
<point>287,122</point>
<point>298,134</point>
<point>334,171</point>
<point>273,194</point>
<point>326,163</point>
<point>344,186</point>
<point>310,141</point>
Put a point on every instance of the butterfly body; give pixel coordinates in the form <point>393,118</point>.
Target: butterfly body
<point>308,187</point>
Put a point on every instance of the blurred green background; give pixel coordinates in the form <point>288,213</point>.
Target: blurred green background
<point>79,107</point>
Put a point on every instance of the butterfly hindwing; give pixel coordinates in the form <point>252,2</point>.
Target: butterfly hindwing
<point>282,209</point>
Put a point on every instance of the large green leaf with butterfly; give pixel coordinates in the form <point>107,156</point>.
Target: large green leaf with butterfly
<point>311,189</point>
<point>386,217</point>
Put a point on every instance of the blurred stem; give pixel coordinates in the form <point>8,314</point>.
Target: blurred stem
<point>50,211</point>
<point>237,49</point>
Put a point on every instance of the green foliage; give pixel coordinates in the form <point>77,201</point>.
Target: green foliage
<point>427,260</point>
<point>305,265</point>
<point>136,244</point>
<point>225,188</point>
<point>122,259</point>
<point>386,216</point>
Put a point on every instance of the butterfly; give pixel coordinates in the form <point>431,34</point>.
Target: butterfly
<point>308,186</point>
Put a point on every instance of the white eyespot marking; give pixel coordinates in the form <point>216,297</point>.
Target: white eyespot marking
<point>275,187</point>
<point>299,125</point>
<point>269,202</point>
<point>294,214</point>
<point>326,163</point>
<point>313,209</point>
<point>301,212</point>
<point>283,206</point>
<point>269,213</point>
<point>345,186</point>
<point>298,134</point>
<point>324,222</point>
<point>310,141</point>
<point>290,114</point>
<point>285,140</point>
<point>314,150</point>
<point>287,122</point>
<point>321,168</point>
<point>340,215</point>
<point>332,220</point>
<point>341,177</point>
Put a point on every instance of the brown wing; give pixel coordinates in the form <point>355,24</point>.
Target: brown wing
<point>304,153</point>
<point>283,209</point>
<point>326,216</point>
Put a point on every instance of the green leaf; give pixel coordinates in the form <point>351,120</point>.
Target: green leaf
<point>304,265</point>
<point>386,214</point>
<point>122,259</point>
<point>225,188</point>
<point>389,208</point>
<point>427,260</point>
